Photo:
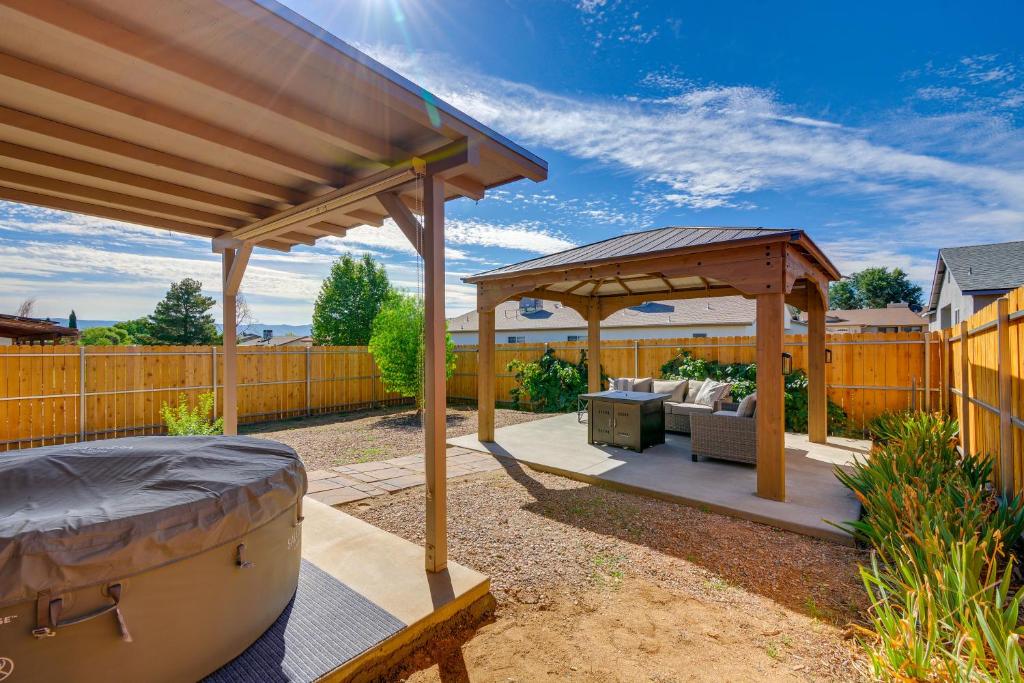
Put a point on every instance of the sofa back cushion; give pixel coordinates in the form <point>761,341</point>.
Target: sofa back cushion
<point>692,389</point>
<point>643,384</point>
<point>710,392</point>
<point>675,387</point>
<point>631,384</point>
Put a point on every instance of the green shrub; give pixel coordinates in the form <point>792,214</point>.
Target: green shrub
<point>743,377</point>
<point>943,542</point>
<point>186,420</point>
<point>550,384</point>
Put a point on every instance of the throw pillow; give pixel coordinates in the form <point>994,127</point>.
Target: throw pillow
<point>747,406</point>
<point>710,392</point>
<point>623,384</point>
<point>677,389</point>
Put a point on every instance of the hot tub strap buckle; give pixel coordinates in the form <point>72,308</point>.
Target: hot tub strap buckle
<point>240,560</point>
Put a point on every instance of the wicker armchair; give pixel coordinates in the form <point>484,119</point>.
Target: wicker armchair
<point>723,436</point>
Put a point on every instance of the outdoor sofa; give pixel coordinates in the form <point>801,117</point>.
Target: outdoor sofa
<point>683,400</point>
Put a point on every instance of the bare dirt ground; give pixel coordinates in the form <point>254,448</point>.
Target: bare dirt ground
<point>597,585</point>
<point>370,435</point>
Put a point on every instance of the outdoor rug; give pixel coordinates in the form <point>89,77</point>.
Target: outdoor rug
<point>325,625</point>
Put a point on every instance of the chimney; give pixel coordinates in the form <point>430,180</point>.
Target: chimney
<point>267,334</point>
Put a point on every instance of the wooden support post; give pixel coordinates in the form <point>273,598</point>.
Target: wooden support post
<point>1005,463</point>
<point>965,391</point>
<point>817,396</point>
<point>771,436</point>
<point>234,263</point>
<point>594,346</point>
<point>434,374</point>
<point>485,375</point>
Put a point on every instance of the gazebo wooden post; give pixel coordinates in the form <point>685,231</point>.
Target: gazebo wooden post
<point>435,401</point>
<point>594,345</point>
<point>234,261</point>
<point>817,398</point>
<point>771,445</point>
<point>485,373</point>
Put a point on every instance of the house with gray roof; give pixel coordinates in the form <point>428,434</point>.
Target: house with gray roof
<point>534,320</point>
<point>967,279</point>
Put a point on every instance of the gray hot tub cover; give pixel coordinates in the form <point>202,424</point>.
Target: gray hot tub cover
<point>88,513</point>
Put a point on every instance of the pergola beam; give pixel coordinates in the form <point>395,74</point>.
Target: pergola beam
<point>192,67</point>
<point>138,153</point>
<point>404,218</point>
<point>119,103</point>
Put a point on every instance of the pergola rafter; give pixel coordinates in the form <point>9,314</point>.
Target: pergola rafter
<point>774,267</point>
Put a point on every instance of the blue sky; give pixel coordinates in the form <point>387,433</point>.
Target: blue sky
<point>884,130</point>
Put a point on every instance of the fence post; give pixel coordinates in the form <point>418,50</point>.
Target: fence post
<point>81,393</point>
<point>965,393</point>
<point>213,377</point>
<point>1005,397</point>
<point>636,358</point>
<point>913,394</point>
<point>309,368</point>
<point>927,371</point>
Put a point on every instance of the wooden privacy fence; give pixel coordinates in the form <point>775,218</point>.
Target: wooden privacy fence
<point>868,373</point>
<point>985,358</point>
<point>60,394</point>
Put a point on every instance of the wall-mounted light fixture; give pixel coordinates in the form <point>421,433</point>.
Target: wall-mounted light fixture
<point>828,356</point>
<point>787,363</point>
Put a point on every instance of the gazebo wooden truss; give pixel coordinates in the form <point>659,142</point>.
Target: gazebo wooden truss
<point>242,122</point>
<point>773,266</point>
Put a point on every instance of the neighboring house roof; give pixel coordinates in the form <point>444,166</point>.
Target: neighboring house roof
<point>722,310</point>
<point>630,244</point>
<point>285,340</point>
<point>979,268</point>
<point>33,329</point>
<point>893,315</point>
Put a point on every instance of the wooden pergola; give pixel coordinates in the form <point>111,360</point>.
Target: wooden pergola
<point>21,330</point>
<point>773,266</point>
<point>242,122</point>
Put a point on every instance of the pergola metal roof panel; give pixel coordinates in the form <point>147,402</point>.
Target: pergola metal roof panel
<point>647,242</point>
<point>156,112</point>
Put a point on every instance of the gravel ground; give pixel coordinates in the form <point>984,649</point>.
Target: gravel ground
<point>565,557</point>
<point>370,435</point>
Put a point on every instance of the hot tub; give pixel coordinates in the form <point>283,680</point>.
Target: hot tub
<point>144,559</point>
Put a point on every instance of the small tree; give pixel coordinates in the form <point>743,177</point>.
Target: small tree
<point>105,336</point>
<point>875,288</point>
<point>397,346</point>
<point>350,298</point>
<point>73,320</point>
<point>183,317</point>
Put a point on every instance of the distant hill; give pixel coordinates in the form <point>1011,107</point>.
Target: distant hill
<point>255,328</point>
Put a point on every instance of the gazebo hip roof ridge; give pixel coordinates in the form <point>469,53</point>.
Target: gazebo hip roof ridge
<point>522,266</point>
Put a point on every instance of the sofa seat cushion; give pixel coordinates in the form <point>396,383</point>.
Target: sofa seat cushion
<point>687,408</point>
<point>729,413</point>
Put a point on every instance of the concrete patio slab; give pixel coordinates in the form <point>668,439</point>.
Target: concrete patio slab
<point>814,496</point>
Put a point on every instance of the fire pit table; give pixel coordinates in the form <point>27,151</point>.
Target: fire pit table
<point>628,419</point>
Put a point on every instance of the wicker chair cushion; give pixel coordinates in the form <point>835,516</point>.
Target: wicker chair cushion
<point>747,406</point>
<point>675,387</point>
<point>631,384</point>
<point>644,384</point>
<point>710,392</point>
<point>686,408</point>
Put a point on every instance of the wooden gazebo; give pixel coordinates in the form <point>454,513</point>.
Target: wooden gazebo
<point>241,122</point>
<point>773,266</point>
<point>22,330</point>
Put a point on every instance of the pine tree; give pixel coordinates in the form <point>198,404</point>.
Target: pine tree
<point>73,320</point>
<point>183,317</point>
<point>349,300</point>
